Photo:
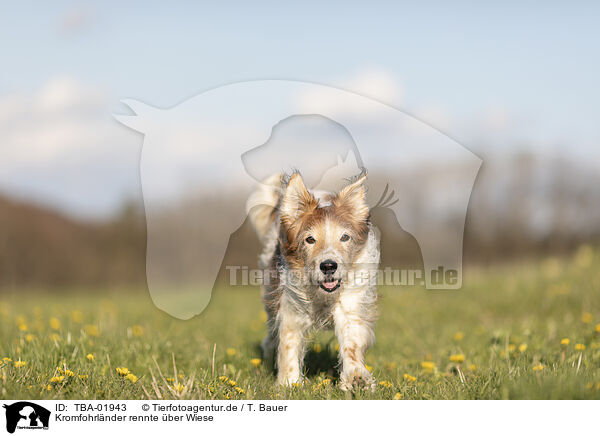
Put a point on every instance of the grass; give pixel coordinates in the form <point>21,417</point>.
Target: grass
<point>497,338</point>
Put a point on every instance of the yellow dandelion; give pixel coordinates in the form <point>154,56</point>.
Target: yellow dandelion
<point>90,357</point>
<point>54,323</point>
<point>57,379</point>
<point>317,348</point>
<point>239,390</point>
<point>6,359</point>
<point>522,348</point>
<point>178,387</point>
<point>122,371</point>
<point>326,382</point>
<point>369,368</point>
<point>579,347</point>
<point>458,336</point>
<point>565,341</point>
<point>132,378</point>
<point>409,378</point>
<point>23,327</point>
<point>20,364</point>
<point>597,328</point>
<point>538,367</point>
<point>398,396</point>
<point>232,382</point>
<point>472,367</point>
<point>69,373</point>
<point>296,385</point>
<point>77,316</point>
<point>428,366</point>
<point>29,337</point>
<point>512,347</point>
<point>180,376</point>
<point>49,387</point>
<point>230,352</point>
<point>223,378</point>
<point>137,330</point>
<point>586,317</point>
<point>83,376</point>
<point>91,330</point>
<point>385,384</point>
<point>170,379</point>
<point>457,358</point>
<point>256,362</point>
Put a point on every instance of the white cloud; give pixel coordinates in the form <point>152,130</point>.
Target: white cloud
<point>375,84</point>
<point>66,93</point>
<point>63,118</point>
<point>59,142</point>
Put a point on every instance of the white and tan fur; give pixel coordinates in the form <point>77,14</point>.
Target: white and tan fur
<point>304,234</point>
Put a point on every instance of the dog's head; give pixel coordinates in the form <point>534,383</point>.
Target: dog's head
<point>322,238</point>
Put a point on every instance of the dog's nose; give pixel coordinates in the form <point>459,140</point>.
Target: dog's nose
<point>328,266</point>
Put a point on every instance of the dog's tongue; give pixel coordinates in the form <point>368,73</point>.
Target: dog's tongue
<point>330,285</point>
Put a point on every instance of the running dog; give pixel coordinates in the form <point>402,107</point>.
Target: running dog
<point>319,262</point>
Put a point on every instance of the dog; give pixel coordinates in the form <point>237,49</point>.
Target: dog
<point>319,261</point>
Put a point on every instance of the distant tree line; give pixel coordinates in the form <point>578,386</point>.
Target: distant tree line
<point>521,206</point>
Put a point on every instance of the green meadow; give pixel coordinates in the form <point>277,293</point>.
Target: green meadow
<point>517,331</point>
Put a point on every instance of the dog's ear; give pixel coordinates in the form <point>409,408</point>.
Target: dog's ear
<point>352,200</point>
<point>296,200</point>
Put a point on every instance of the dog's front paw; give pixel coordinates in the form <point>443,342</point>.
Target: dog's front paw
<point>357,378</point>
<point>292,381</point>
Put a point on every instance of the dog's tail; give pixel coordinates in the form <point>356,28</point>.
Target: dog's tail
<point>263,204</point>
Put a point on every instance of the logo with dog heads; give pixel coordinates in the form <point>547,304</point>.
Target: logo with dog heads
<point>26,415</point>
<point>202,159</point>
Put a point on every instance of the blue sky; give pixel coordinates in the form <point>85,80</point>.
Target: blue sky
<point>533,67</point>
<point>464,54</point>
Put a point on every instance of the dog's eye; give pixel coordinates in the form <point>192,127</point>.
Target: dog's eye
<point>310,240</point>
<point>345,237</point>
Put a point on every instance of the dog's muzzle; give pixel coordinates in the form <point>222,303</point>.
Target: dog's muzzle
<point>328,267</point>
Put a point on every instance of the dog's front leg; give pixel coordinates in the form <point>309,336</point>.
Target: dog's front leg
<point>354,335</point>
<point>290,352</point>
